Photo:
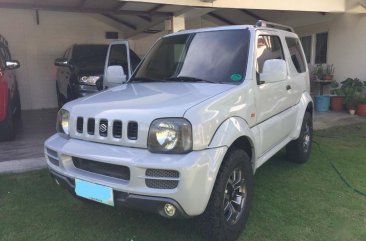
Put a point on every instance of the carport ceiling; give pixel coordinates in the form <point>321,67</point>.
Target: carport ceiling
<point>132,17</point>
<point>143,17</point>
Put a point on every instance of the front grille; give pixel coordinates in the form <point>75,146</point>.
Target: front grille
<point>132,130</point>
<point>91,126</point>
<point>106,169</point>
<point>117,129</point>
<point>103,125</point>
<point>161,184</point>
<point>103,128</point>
<point>80,125</point>
<point>162,173</point>
<point>161,178</point>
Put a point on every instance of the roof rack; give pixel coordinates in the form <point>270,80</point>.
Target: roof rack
<point>262,23</point>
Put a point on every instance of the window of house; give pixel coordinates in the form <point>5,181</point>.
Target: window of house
<point>296,54</point>
<point>315,47</point>
<point>268,47</point>
<point>321,48</point>
<point>306,44</point>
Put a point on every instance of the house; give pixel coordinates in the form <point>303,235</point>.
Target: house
<point>332,31</point>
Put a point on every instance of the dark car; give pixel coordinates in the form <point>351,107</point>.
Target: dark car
<point>9,93</point>
<point>81,70</point>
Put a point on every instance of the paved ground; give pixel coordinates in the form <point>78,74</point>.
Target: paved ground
<point>26,152</point>
<point>34,128</point>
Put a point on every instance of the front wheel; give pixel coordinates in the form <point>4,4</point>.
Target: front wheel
<point>299,150</point>
<point>228,209</point>
<point>7,129</point>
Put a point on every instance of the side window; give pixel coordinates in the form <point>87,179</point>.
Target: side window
<point>118,56</point>
<point>296,54</point>
<point>135,60</point>
<point>268,47</point>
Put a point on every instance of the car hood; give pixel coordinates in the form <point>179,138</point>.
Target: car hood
<point>138,103</point>
<point>171,99</point>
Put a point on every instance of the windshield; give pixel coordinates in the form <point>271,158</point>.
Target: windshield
<point>215,57</point>
<point>89,56</point>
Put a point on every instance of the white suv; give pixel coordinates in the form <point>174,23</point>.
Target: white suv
<point>183,137</point>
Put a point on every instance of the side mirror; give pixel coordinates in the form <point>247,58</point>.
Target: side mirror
<point>62,62</point>
<point>274,70</point>
<point>115,74</point>
<point>12,64</point>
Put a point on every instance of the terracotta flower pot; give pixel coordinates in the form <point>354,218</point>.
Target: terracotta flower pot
<point>361,109</point>
<point>328,77</point>
<point>337,103</point>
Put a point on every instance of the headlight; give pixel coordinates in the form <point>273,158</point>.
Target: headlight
<point>170,135</point>
<point>89,80</point>
<point>62,125</point>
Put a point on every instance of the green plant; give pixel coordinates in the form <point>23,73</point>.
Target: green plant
<point>329,69</point>
<point>352,89</point>
<point>318,71</point>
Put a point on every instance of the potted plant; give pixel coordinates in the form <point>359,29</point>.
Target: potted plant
<point>328,72</point>
<point>361,107</point>
<point>351,88</point>
<point>318,71</point>
<point>337,98</point>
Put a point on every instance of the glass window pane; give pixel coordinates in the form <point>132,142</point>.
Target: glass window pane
<point>321,48</point>
<point>306,45</point>
<point>217,56</point>
<point>296,54</point>
<point>268,47</point>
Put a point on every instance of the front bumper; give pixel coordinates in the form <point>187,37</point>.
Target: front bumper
<point>197,172</point>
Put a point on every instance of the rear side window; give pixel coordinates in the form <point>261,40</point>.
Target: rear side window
<point>268,47</point>
<point>296,54</point>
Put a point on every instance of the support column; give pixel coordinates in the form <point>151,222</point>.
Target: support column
<point>178,23</point>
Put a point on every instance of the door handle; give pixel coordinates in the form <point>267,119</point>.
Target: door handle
<point>288,87</point>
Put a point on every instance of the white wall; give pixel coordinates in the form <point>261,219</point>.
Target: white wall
<point>346,44</point>
<point>36,47</point>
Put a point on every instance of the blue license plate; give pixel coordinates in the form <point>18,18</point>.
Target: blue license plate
<point>96,192</point>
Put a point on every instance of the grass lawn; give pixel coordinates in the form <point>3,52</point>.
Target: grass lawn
<point>292,202</point>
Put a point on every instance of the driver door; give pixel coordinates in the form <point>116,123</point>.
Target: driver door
<point>117,69</point>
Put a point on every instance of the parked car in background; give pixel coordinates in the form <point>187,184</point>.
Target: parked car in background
<point>81,69</point>
<point>9,94</point>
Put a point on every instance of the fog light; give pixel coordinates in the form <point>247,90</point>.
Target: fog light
<point>169,210</point>
<point>57,182</point>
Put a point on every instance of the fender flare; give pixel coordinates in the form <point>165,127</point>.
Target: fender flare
<point>230,131</point>
<point>305,102</point>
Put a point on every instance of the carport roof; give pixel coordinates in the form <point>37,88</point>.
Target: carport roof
<point>132,17</point>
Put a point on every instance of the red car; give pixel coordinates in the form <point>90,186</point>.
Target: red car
<point>9,94</point>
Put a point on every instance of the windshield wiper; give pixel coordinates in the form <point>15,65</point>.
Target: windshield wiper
<point>190,79</point>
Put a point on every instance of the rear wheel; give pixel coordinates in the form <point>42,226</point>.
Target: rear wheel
<point>18,111</point>
<point>7,131</point>
<point>228,209</point>
<point>299,150</point>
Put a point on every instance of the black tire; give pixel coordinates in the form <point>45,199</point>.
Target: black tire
<point>299,150</point>
<point>18,106</point>
<point>219,222</point>
<point>7,129</point>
